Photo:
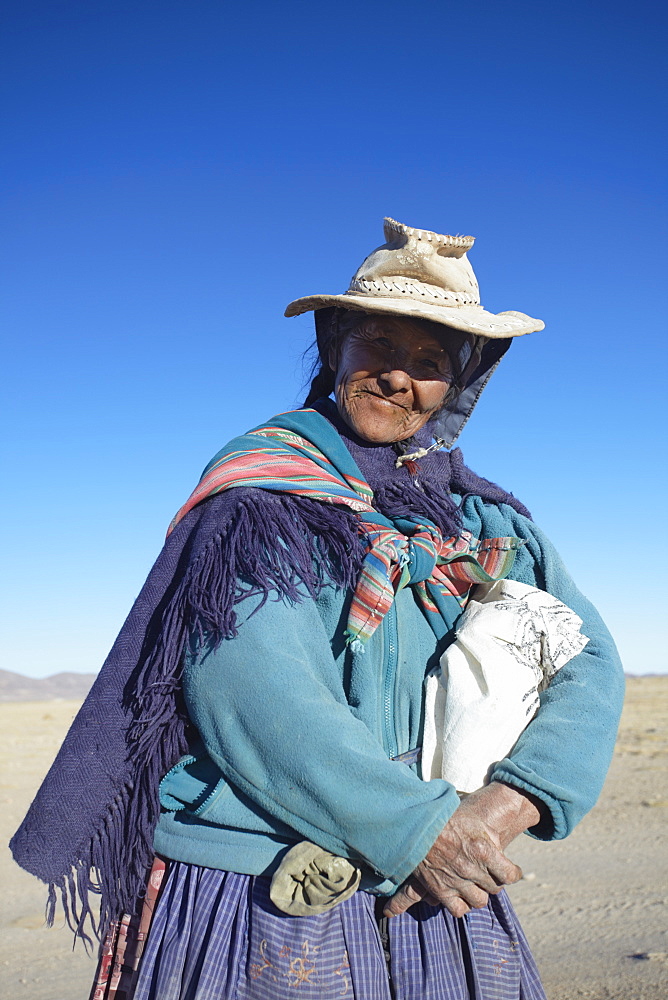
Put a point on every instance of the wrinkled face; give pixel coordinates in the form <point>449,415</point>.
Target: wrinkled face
<point>391,376</point>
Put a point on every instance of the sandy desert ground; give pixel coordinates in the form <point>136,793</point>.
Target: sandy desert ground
<point>594,907</point>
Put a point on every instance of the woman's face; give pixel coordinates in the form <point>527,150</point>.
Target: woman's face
<point>391,376</point>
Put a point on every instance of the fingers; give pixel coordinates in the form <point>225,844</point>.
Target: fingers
<point>480,864</point>
<point>458,905</point>
<point>458,895</point>
<point>480,870</point>
<point>469,851</point>
<point>503,870</point>
<point>472,895</point>
<point>406,896</point>
<point>458,900</point>
<point>467,875</point>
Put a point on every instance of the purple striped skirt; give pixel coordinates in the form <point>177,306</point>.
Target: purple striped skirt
<point>217,936</point>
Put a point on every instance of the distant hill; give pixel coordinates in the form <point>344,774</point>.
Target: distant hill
<point>16,687</point>
<point>68,685</point>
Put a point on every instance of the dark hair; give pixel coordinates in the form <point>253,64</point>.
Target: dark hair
<point>333,327</point>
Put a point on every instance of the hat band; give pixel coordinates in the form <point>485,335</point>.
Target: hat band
<point>397,286</point>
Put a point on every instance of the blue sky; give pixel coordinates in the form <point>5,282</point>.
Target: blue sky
<point>174,173</point>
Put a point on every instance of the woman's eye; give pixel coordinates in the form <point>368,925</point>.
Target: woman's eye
<point>382,342</point>
<point>430,363</point>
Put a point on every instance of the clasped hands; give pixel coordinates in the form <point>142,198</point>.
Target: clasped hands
<point>466,864</point>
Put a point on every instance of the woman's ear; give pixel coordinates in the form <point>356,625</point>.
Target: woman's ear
<point>333,357</point>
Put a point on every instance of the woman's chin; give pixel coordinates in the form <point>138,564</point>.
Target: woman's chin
<point>377,420</point>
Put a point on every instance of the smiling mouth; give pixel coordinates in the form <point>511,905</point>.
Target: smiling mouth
<point>377,395</point>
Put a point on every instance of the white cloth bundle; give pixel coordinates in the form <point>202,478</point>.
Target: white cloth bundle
<point>510,642</point>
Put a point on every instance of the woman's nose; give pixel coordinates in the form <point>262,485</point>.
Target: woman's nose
<point>396,379</point>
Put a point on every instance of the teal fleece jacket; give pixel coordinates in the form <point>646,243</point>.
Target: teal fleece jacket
<point>297,733</point>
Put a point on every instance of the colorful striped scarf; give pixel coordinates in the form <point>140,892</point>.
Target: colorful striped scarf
<point>301,453</point>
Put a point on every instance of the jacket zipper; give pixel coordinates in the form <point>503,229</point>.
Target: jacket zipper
<point>390,624</point>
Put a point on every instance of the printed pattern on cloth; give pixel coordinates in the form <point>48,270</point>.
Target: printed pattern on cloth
<point>217,936</point>
<point>510,642</point>
<point>393,560</point>
<point>541,632</point>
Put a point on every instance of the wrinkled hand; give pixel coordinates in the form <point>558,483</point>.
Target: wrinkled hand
<point>466,863</point>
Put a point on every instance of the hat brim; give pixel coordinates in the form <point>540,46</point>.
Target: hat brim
<point>470,319</point>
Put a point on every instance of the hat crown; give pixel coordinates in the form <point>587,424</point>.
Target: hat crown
<point>422,275</point>
<point>416,261</point>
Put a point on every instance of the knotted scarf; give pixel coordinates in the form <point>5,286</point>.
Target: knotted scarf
<point>398,553</point>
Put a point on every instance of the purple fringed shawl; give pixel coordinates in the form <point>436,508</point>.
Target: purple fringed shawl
<point>90,826</point>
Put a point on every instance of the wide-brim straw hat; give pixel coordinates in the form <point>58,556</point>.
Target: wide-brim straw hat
<point>422,275</point>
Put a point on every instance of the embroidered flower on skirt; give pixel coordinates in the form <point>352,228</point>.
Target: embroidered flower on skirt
<point>217,936</point>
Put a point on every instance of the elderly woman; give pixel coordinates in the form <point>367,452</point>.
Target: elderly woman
<point>255,733</point>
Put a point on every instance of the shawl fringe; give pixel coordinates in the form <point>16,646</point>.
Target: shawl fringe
<point>281,547</point>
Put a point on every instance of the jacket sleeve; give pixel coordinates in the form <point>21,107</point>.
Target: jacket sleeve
<point>271,709</point>
<point>563,755</point>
